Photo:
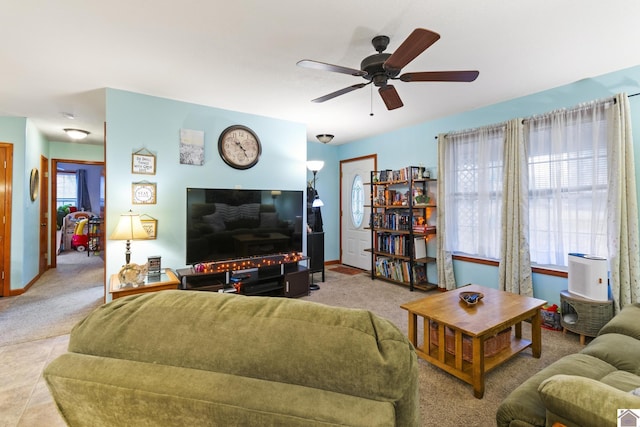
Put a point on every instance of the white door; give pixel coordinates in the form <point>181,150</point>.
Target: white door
<point>354,218</point>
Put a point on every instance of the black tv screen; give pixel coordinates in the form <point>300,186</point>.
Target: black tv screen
<point>227,224</point>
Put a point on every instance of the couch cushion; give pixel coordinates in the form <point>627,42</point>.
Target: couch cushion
<point>626,322</point>
<point>346,351</point>
<point>620,351</point>
<point>569,395</point>
<point>524,403</point>
<point>99,391</point>
<point>622,380</point>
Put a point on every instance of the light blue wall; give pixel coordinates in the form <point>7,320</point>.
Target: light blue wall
<point>28,146</point>
<point>416,144</point>
<point>328,188</point>
<point>137,121</point>
<point>76,151</point>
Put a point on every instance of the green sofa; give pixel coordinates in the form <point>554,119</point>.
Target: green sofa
<point>178,358</point>
<point>583,389</point>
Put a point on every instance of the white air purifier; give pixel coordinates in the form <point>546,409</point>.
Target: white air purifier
<point>588,277</point>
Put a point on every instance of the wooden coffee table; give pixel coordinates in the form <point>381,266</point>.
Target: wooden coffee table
<point>497,311</point>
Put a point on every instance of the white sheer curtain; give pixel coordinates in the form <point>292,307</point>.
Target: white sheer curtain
<point>568,183</point>
<point>472,171</point>
<point>624,249</point>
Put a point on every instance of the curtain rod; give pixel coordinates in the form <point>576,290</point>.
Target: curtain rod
<point>628,96</point>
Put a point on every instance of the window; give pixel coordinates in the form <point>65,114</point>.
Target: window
<point>67,189</point>
<point>474,192</point>
<point>567,184</point>
<point>357,201</point>
<point>567,178</point>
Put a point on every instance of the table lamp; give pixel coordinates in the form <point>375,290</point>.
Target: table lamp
<point>129,228</point>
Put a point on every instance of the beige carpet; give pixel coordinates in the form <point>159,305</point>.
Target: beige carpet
<point>58,300</point>
<point>65,295</point>
<point>445,401</point>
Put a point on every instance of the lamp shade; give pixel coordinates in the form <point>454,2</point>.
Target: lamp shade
<point>129,228</point>
<point>315,165</point>
<point>317,202</point>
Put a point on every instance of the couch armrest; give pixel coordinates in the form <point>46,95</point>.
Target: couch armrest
<point>584,401</point>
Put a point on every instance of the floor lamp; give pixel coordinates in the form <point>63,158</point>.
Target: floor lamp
<point>314,166</point>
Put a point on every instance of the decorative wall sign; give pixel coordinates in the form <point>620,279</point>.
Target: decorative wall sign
<point>150,224</point>
<point>143,193</point>
<point>143,161</point>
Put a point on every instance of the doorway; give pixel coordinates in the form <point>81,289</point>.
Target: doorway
<point>355,238</point>
<point>59,169</point>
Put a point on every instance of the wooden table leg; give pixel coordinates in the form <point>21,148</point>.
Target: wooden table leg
<point>536,335</point>
<point>477,367</point>
<point>413,329</point>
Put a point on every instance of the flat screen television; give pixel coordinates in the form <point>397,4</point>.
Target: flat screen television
<point>225,224</point>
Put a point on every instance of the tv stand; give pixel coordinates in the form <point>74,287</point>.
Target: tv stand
<point>273,275</point>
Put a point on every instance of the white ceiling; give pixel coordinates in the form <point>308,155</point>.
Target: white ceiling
<point>58,56</point>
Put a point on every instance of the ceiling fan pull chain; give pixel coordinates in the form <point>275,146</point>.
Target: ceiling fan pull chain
<point>371,113</point>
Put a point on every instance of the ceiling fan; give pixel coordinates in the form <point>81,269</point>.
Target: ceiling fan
<point>381,67</point>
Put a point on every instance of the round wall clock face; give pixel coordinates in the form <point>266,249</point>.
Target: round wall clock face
<point>239,147</point>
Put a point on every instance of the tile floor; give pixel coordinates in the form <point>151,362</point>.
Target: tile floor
<point>25,400</point>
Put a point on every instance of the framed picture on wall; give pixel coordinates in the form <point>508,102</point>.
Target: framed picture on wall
<point>144,162</point>
<point>150,224</point>
<point>143,193</point>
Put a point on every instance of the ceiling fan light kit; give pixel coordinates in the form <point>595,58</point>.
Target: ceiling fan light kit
<point>381,67</point>
<point>76,133</point>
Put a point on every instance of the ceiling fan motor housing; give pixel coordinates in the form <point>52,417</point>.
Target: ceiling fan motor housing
<point>373,65</point>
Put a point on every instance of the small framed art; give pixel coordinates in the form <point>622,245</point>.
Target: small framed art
<point>144,162</point>
<point>143,193</point>
<point>150,224</point>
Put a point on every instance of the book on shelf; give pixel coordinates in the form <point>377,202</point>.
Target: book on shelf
<point>419,247</point>
<point>399,270</point>
<point>419,273</point>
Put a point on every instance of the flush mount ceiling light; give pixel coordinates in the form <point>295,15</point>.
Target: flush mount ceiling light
<point>76,133</point>
<point>325,138</point>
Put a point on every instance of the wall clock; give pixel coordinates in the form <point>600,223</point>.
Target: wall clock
<point>239,147</point>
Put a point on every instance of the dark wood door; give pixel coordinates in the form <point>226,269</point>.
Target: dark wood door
<point>6,171</point>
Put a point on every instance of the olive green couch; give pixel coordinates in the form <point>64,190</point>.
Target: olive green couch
<point>178,358</point>
<point>583,389</point>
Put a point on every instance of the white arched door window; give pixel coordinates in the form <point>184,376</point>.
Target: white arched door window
<point>357,201</point>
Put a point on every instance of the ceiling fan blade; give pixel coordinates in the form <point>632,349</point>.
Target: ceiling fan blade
<point>316,65</point>
<point>417,42</point>
<point>339,92</point>
<point>440,76</point>
<point>390,97</point>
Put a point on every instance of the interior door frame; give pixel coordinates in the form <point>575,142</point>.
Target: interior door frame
<point>54,196</point>
<point>374,157</point>
<point>5,289</point>
<point>44,258</point>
